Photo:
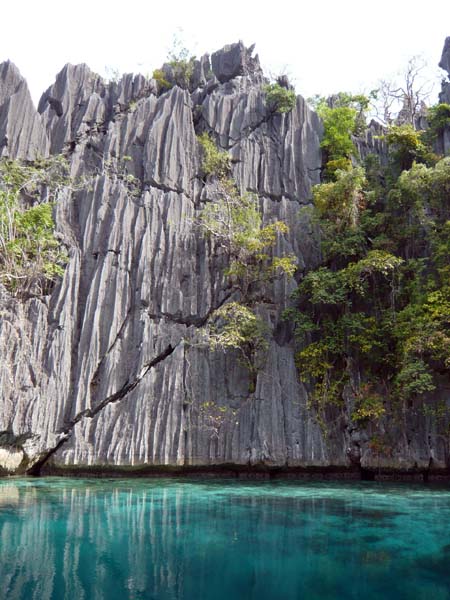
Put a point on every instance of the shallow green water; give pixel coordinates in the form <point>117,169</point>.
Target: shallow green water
<point>167,539</point>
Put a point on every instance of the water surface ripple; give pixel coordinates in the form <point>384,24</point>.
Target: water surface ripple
<point>193,540</point>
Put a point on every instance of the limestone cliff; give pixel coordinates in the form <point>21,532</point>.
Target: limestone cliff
<point>444,96</point>
<point>106,370</point>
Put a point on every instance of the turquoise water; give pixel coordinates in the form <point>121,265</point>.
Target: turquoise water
<point>180,539</point>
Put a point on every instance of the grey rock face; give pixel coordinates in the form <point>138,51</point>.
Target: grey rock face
<point>235,60</point>
<point>202,72</point>
<point>22,134</point>
<point>111,369</point>
<point>444,97</point>
<point>72,105</point>
<point>372,142</point>
<point>445,58</point>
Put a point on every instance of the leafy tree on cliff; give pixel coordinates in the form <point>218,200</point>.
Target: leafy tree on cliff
<point>372,321</point>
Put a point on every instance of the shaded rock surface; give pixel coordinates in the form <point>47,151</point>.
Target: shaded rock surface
<point>445,58</point>
<point>109,369</point>
<point>444,96</point>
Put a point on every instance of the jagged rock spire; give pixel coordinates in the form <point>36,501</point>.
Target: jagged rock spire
<point>21,132</point>
<point>444,63</point>
<point>445,58</point>
<point>234,60</point>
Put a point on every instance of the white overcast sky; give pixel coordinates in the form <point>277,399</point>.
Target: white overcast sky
<point>325,45</point>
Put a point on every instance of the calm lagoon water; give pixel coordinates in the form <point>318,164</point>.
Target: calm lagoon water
<point>184,539</point>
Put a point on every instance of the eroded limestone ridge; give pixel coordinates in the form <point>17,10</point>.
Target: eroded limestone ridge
<point>108,370</point>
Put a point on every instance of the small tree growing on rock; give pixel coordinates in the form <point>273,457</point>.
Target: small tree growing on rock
<point>279,99</point>
<point>31,256</point>
<point>234,222</point>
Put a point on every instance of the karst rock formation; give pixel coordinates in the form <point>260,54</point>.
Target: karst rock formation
<point>108,373</point>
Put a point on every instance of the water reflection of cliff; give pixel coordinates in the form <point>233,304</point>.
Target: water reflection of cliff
<point>9,495</point>
<point>120,540</point>
<point>107,541</point>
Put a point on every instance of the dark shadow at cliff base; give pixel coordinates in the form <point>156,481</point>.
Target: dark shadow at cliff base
<point>256,472</point>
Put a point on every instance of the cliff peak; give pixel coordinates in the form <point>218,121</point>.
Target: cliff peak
<point>445,58</point>
<point>234,60</point>
<point>21,132</point>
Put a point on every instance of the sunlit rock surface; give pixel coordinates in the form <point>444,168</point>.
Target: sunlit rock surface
<point>108,370</point>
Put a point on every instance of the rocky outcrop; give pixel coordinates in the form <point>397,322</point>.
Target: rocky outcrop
<point>236,60</point>
<point>444,63</point>
<point>372,142</point>
<point>444,96</point>
<point>22,134</point>
<point>109,370</point>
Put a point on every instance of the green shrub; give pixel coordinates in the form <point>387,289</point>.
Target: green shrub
<point>183,70</point>
<point>235,326</point>
<point>31,257</point>
<point>181,62</point>
<point>279,99</point>
<point>414,378</point>
<point>160,77</point>
<point>406,145</point>
<point>234,222</point>
<point>342,200</point>
<point>438,118</point>
<point>369,404</point>
<point>343,117</point>
<point>214,161</point>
